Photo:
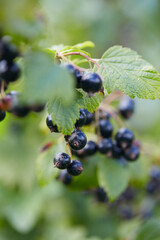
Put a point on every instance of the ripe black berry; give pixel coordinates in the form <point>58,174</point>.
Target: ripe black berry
<point>105,146</point>
<point>78,76</point>
<point>8,51</point>
<point>105,128</point>
<point>50,125</point>
<point>91,82</point>
<point>132,153</point>
<point>62,160</point>
<point>124,138</point>
<point>89,117</point>
<point>77,140</point>
<point>20,111</point>
<point>82,118</point>
<point>126,107</point>
<point>101,195</point>
<point>64,177</point>
<point>152,187</point>
<point>75,168</point>
<point>117,151</point>
<point>2,115</point>
<point>9,73</point>
<point>90,148</point>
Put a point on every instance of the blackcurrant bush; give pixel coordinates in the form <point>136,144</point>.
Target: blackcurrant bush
<point>82,118</point>
<point>2,115</point>
<point>65,177</point>
<point>105,146</point>
<point>105,128</point>
<point>90,148</point>
<point>124,138</point>
<point>132,153</point>
<point>77,140</point>
<point>62,160</point>
<point>75,168</point>
<point>126,107</point>
<point>50,125</point>
<point>89,117</point>
<point>117,152</point>
<point>91,82</point>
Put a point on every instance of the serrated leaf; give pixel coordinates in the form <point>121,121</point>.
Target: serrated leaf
<point>63,116</point>
<point>44,80</point>
<point>124,69</point>
<point>149,230</point>
<point>90,103</point>
<point>112,177</point>
<point>44,166</point>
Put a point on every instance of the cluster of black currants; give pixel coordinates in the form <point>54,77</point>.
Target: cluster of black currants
<point>10,72</point>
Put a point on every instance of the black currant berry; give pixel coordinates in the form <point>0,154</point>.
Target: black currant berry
<point>9,73</point>
<point>8,51</point>
<point>124,138</point>
<point>62,160</point>
<point>20,111</point>
<point>64,177</point>
<point>152,187</point>
<point>132,153</point>
<point>105,128</point>
<point>90,148</point>
<point>77,140</point>
<point>89,117</point>
<point>126,107</point>
<point>101,195</point>
<point>105,146</point>
<point>91,82</point>
<point>2,115</point>
<point>155,174</point>
<point>50,125</point>
<point>78,76</point>
<point>82,118</point>
<point>37,107</point>
<point>75,168</point>
<point>117,152</point>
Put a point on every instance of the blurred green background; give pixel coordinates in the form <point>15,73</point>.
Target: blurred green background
<point>31,212</point>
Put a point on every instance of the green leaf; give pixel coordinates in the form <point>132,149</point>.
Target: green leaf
<point>63,116</point>
<point>89,103</point>
<point>149,230</point>
<point>44,80</point>
<point>44,166</point>
<point>124,69</point>
<point>86,44</point>
<point>112,177</point>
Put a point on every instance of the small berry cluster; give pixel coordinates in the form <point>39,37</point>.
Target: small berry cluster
<point>123,146</point>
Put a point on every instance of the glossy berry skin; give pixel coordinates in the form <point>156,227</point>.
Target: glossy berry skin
<point>10,73</point>
<point>62,160</point>
<point>75,168</point>
<point>124,138</point>
<point>50,125</point>
<point>89,117</point>
<point>117,152</point>
<point>126,107</point>
<point>77,140</point>
<point>91,82</point>
<point>132,153</point>
<point>90,148</point>
<point>105,146</point>
<point>2,115</point>
<point>65,177</point>
<point>105,128</point>
<point>82,118</point>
